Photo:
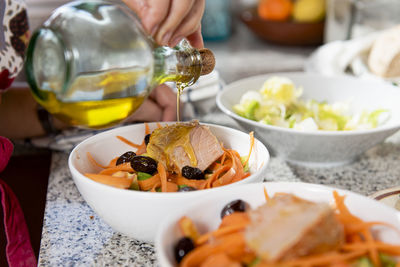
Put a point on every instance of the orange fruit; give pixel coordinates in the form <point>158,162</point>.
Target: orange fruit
<point>275,9</point>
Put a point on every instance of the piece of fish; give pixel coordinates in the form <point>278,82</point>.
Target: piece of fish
<point>287,227</point>
<point>184,144</point>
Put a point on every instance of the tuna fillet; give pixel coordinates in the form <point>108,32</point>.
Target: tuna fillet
<point>288,227</point>
<point>184,144</point>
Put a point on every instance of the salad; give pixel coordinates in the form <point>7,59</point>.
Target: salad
<point>286,231</point>
<point>278,103</point>
<point>179,157</point>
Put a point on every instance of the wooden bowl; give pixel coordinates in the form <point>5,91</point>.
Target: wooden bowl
<point>284,32</point>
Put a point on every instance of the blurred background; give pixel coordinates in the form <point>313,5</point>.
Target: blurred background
<point>251,37</point>
<point>260,31</point>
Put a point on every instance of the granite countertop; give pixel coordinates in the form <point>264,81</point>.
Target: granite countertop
<point>73,235</point>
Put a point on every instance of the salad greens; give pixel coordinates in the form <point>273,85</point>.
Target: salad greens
<point>277,103</point>
<point>386,261</point>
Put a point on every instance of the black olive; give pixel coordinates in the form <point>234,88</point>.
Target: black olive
<point>186,189</point>
<point>126,157</point>
<point>144,164</point>
<point>147,139</point>
<point>192,173</point>
<point>182,248</point>
<point>237,205</point>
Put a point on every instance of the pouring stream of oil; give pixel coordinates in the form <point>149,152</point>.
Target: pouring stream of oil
<point>179,87</point>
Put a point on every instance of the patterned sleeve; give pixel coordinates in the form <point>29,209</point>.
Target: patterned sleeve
<point>14,37</point>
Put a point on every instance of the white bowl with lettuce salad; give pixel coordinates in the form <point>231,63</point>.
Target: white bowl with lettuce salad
<point>314,119</point>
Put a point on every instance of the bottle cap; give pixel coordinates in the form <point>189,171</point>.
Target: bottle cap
<point>207,61</point>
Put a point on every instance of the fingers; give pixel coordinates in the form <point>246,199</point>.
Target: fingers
<point>177,13</point>
<point>166,99</point>
<point>150,12</point>
<point>169,21</point>
<point>196,39</point>
<point>190,24</point>
<point>148,111</point>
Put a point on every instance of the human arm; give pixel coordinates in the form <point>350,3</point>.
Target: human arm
<point>19,117</point>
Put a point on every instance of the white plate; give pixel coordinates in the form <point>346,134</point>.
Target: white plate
<point>389,196</point>
<point>209,217</point>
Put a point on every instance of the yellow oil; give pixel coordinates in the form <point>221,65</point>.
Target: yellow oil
<point>180,87</point>
<point>178,135</point>
<point>120,92</point>
<point>113,88</point>
<point>93,114</point>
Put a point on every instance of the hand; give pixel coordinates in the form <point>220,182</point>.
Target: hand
<point>159,106</point>
<point>169,21</point>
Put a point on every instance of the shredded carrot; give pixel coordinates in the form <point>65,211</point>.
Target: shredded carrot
<point>94,162</point>
<point>387,248</point>
<point>229,239</point>
<point>198,184</point>
<point>373,253</point>
<point>251,148</point>
<point>225,170</point>
<point>267,198</point>
<point>163,176</point>
<point>215,175</point>
<point>171,187</point>
<point>126,141</point>
<point>197,256</point>
<point>323,259</point>
<point>147,129</point>
<point>223,158</point>
<point>149,183</point>
<point>120,182</point>
<point>234,218</point>
<point>225,179</point>
<point>355,228</point>
<point>121,167</point>
<point>141,149</point>
<point>221,232</point>
<point>159,125</point>
<point>113,162</point>
<point>220,260</point>
<point>235,171</point>
<point>233,245</point>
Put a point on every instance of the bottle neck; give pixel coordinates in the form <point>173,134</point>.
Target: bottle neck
<point>181,64</point>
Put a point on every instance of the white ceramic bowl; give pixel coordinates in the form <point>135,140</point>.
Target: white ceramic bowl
<point>320,148</point>
<point>138,214</point>
<point>209,219</point>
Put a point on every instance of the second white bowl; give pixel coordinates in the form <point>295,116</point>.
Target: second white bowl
<point>208,219</point>
<point>320,148</point>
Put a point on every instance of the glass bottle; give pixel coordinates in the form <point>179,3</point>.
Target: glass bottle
<point>92,65</point>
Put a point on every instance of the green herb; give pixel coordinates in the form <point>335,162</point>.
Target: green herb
<point>386,260</point>
<point>243,160</point>
<point>143,176</point>
<point>255,262</point>
<point>134,184</point>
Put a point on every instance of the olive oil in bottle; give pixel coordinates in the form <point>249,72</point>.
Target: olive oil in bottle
<point>105,105</point>
<point>92,65</point>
